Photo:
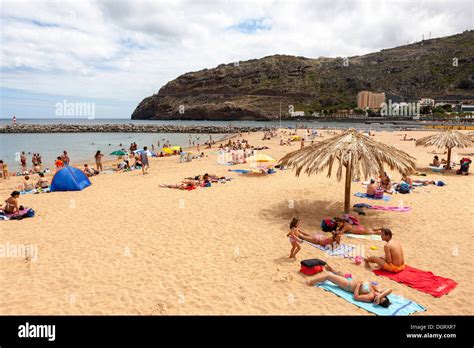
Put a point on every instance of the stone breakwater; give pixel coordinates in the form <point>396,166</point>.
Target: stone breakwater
<point>122,128</point>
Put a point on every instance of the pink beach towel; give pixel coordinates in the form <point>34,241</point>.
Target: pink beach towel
<point>391,208</point>
<point>423,281</point>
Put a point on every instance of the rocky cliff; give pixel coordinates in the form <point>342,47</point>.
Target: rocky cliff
<point>255,89</point>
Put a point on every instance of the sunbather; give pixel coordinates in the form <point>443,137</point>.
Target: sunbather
<point>436,162</point>
<point>345,227</point>
<point>393,261</point>
<point>27,184</point>
<point>371,188</point>
<point>12,204</point>
<point>406,178</point>
<point>363,291</point>
<point>181,186</point>
<point>42,182</point>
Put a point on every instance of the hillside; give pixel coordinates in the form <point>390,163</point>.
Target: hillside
<point>254,89</point>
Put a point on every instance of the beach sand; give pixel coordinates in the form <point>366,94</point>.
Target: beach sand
<point>126,246</point>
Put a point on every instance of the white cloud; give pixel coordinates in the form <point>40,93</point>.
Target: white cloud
<point>128,49</point>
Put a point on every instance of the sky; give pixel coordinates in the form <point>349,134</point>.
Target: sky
<point>113,53</point>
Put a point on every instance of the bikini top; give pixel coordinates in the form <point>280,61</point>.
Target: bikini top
<point>365,288</point>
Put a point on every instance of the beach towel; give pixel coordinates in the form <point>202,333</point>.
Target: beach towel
<point>45,190</point>
<point>423,281</point>
<point>243,171</point>
<point>8,216</point>
<point>399,304</point>
<point>364,236</point>
<point>343,250</point>
<point>391,208</point>
<point>364,195</point>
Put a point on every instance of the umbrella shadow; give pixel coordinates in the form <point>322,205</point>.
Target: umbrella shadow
<point>312,212</point>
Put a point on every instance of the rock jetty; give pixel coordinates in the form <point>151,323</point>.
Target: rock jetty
<point>122,128</point>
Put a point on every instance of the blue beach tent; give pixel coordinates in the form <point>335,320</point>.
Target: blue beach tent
<point>69,179</point>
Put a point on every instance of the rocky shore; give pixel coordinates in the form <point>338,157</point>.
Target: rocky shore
<point>121,128</point>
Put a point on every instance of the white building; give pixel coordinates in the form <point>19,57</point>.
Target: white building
<point>427,102</point>
<point>297,113</point>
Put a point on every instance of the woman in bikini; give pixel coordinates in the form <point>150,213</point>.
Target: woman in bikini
<point>345,227</point>
<point>321,239</point>
<point>386,183</point>
<point>12,205</point>
<point>42,182</point>
<point>363,291</point>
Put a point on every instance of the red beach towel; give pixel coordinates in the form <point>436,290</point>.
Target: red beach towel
<point>423,281</point>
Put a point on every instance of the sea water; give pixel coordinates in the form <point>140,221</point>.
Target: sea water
<point>83,146</point>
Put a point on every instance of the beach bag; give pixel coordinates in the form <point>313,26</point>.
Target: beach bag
<point>404,188</point>
<point>362,205</point>
<point>328,225</point>
<point>30,213</point>
<point>440,183</point>
<point>312,262</point>
<point>378,193</point>
<point>351,219</point>
<point>311,270</point>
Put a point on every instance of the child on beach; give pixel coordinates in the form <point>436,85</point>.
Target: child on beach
<point>294,236</point>
<point>59,163</point>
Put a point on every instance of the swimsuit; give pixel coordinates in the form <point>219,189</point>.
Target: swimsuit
<point>393,268</point>
<point>365,288</point>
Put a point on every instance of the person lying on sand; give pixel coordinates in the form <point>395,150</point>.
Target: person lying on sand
<point>393,261</point>
<point>89,171</point>
<point>181,186</point>
<point>407,179</point>
<point>345,227</point>
<point>363,290</point>
<point>12,204</point>
<point>322,239</point>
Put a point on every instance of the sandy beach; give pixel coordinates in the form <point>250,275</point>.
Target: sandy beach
<point>126,246</point>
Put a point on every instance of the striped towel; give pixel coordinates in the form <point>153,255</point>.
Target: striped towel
<point>399,305</point>
<point>343,250</point>
<point>364,236</point>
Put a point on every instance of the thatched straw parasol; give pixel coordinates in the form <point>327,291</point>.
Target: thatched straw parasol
<point>360,155</point>
<point>448,139</point>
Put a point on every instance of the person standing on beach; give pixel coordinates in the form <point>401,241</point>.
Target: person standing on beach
<point>65,158</point>
<point>4,168</point>
<point>23,161</point>
<point>38,158</point>
<point>34,160</point>
<point>98,161</point>
<point>144,160</point>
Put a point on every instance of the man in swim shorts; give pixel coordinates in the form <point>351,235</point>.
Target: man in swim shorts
<point>393,261</point>
<point>144,160</point>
